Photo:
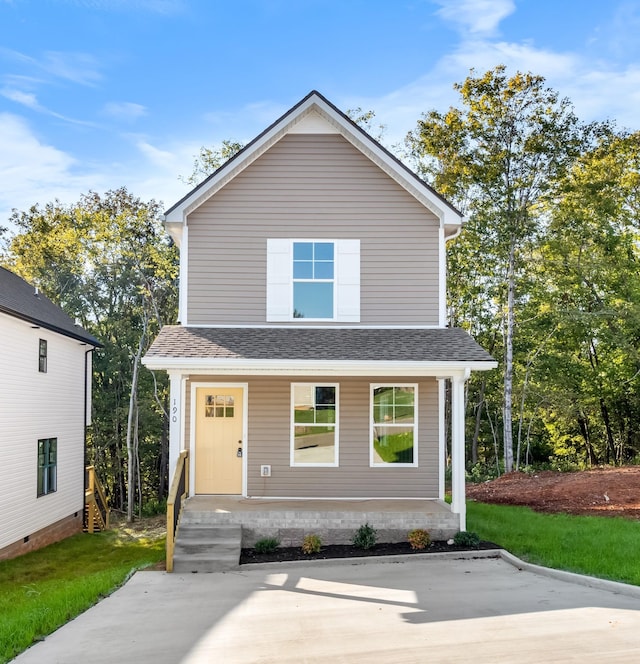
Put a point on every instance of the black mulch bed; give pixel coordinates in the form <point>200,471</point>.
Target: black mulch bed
<point>283,554</point>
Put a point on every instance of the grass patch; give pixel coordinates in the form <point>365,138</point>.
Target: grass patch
<point>603,547</point>
<point>43,590</point>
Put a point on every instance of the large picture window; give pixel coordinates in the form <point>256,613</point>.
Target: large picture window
<point>394,439</point>
<point>314,425</point>
<point>47,465</point>
<point>313,280</point>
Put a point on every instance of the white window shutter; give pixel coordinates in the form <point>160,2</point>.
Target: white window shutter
<point>279,268</point>
<point>348,281</point>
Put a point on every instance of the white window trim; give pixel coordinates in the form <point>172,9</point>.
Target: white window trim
<point>336,449</point>
<point>279,281</point>
<point>372,462</point>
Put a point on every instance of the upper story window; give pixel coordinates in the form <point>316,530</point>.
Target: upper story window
<point>313,280</point>
<point>42,356</point>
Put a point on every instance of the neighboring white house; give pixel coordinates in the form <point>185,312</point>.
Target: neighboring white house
<point>45,396</point>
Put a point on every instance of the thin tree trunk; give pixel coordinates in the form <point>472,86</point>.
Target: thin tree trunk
<point>163,463</point>
<point>495,442</point>
<point>476,430</point>
<point>507,429</point>
<point>132,401</point>
<point>584,430</point>
<point>611,444</point>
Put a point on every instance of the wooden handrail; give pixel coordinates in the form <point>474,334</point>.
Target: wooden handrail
<point>97,502</point>
<point>179,490</point>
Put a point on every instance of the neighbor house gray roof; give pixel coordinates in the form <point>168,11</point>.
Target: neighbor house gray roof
<point>370,345</point>
<point>21,300</point>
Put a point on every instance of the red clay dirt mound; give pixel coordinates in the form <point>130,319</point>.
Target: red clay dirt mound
<point>601,492</point>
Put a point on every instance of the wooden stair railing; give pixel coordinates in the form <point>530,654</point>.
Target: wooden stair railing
<point>175,501</point>
<point>96,504</point>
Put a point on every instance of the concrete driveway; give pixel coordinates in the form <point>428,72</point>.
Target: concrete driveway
<point>412,609</point>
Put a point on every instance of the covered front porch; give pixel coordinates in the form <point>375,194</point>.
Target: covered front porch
<point>335,521</point>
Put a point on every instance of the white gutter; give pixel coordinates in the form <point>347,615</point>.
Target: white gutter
<point>233,366</point>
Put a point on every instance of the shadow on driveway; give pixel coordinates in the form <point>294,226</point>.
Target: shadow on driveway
<point>412,610</point>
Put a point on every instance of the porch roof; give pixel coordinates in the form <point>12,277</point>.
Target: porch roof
<point>332,349</point>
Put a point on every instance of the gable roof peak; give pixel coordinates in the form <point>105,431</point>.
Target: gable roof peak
<point>332,120</point>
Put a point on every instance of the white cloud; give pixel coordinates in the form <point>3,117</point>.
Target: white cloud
<point>33,172</point>
<point>163,158</point>
<point>599,90</point>
<point>477,17</point>
<point>76,67</point>
<point>166,7</point>
<point>27,99</point>
<point>80,68</point>
<point>126,111</point>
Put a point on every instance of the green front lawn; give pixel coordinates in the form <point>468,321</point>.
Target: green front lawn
<point>597,546</point>
<point>43,590</point>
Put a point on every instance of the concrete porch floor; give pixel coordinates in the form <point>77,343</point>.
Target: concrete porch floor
<point>289,520</point>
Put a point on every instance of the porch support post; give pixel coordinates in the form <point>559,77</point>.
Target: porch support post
<point>442,436</point>
<point>176,427</point>
<point>458,505</point>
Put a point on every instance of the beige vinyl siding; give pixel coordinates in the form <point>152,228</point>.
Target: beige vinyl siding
<point>317,187</point>
<point>268,442</point>
<point>34,406</point>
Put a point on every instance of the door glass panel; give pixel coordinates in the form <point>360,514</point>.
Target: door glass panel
<point>219,405</point>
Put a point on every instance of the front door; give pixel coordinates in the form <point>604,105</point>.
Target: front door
<point>219,444</point>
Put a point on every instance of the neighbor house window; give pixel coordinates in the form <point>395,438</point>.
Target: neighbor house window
<point>394,439</point>
<point>313,280</point>
<point>47,465</point>
<point>314,425</point>
<point>42,356</point>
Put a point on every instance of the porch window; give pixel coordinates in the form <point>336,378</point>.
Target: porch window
<point>47,465</point>
<point>314,425</point>
<point>394,425</point>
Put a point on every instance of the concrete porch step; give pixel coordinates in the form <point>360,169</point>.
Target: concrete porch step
<point>202,547</point>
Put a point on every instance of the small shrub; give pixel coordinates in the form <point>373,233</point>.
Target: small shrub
<point>267,545</point>
<point>153,507</point>
<point>365,537</point>
<point>468,539</point>
<point>311,544</point>
<point>419,538</point>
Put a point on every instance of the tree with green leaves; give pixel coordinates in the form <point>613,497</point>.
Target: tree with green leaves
<point>108,263</point>
<point>497,156</point>
<point>588,290</point>
<point>209,160</point>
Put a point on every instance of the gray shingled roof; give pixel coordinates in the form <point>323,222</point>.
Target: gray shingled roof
<point>331,344</point>
<point>19,299</point>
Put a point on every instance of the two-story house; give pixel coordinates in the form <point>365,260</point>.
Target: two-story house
<point>312,351</point>
<point>45,390</point>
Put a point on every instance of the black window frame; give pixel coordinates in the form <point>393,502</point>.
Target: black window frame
<point>47,479</point>
<point>42,356</point>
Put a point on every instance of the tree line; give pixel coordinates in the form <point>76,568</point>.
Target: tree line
<point>544,276</point>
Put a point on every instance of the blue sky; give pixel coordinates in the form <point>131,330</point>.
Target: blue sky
<point>98,94</point>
